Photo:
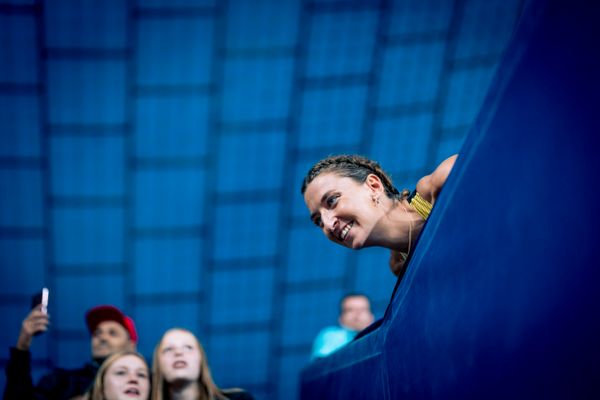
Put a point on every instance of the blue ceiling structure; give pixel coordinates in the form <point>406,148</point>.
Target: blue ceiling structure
<point>151,154</point>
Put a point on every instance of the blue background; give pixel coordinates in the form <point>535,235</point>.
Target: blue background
<point>151,154</point>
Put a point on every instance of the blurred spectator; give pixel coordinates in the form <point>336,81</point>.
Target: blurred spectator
<point>355,315</point>
<point>111,331</point>
<point>180,370</point>
<point>124,375</point>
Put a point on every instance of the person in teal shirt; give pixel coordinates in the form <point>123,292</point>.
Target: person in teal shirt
<point>355,315</point>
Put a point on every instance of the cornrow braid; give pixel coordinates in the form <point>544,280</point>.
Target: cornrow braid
<point>355,167</point>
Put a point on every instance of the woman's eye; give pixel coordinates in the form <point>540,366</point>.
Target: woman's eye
<point>187,347</point>
<point>167,350</point>
<point>331,200</point>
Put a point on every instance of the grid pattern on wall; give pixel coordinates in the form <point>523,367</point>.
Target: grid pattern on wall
<point>152,151</point>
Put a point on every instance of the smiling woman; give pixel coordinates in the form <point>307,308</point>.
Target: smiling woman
<point>180,370</point>
<point>123,375</point>
<point>353,201</point>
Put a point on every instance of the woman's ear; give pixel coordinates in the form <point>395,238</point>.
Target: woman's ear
<point>374,183</point>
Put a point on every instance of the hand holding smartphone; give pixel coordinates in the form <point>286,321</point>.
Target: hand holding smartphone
<point>34,324</point>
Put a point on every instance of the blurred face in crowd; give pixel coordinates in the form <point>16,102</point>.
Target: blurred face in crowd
<point>179,356</point>
<point>356,313</point>
<point>110,337</point>
<point>127,379</point>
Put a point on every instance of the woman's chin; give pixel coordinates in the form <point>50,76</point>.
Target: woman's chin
<point>355,244</point>
<point>350,242</point>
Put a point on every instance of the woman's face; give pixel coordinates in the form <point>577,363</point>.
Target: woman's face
<point>179,357</point>
<point>343,208</point>
<point>126,379</point>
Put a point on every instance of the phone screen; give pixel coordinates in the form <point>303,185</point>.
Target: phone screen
<point>41,298</point>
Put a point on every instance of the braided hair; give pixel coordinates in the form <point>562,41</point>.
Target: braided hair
<point>355,167</point>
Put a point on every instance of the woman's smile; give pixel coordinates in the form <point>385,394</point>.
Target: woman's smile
<point>346,230</point>
<point>339,206</point>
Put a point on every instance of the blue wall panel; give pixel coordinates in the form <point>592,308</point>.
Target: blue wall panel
<point>23,270</point>
<point>88,235</point>
<point>242,299</point>
<point>309,265</point>
<point>413,17</point>
<point>21,114</point>
<point>273,24</point>
<point>463,86</point>
<point>341,43</point>
<point>394,141</point>
<point>169,197</point>
<point>86,92</point>
<point>174,51</point>
<point>171,126</point>
<point>256,89</point>
<point>251,161</point>
<point>18,63</point>
<point>246,230</point>
<point>411,74</point>
<point>227,370</point>
<point>87,166</point>
<point>21,203</point>
<point>305,314</point>
<point>332,117</point>
<point>183,4</point>
<point>88,24</point>
<point>157,260</point>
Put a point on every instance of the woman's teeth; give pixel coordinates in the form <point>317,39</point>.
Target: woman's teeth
<point>346,230</point>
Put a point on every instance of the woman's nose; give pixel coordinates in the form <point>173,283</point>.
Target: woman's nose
<point>329,221</point>
<point>178,351</point>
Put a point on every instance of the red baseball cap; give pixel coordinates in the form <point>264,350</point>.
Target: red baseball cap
<point>102,313</point>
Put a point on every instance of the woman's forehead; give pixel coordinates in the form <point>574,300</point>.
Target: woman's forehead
<point>330,181</point>
<point>177,335</point>
<point>128,359</point>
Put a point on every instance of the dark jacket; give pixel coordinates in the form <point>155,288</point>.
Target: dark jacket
<point>58,384</point>
<point>237,394</point>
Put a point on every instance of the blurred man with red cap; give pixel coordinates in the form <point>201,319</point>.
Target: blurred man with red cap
<point>111,331</point>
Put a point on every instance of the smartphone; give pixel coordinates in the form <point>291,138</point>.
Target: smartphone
<point>41,298</point>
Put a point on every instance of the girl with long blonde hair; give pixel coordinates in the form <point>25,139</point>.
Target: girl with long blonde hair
<point>180,370</point>
<point>124,375</point>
